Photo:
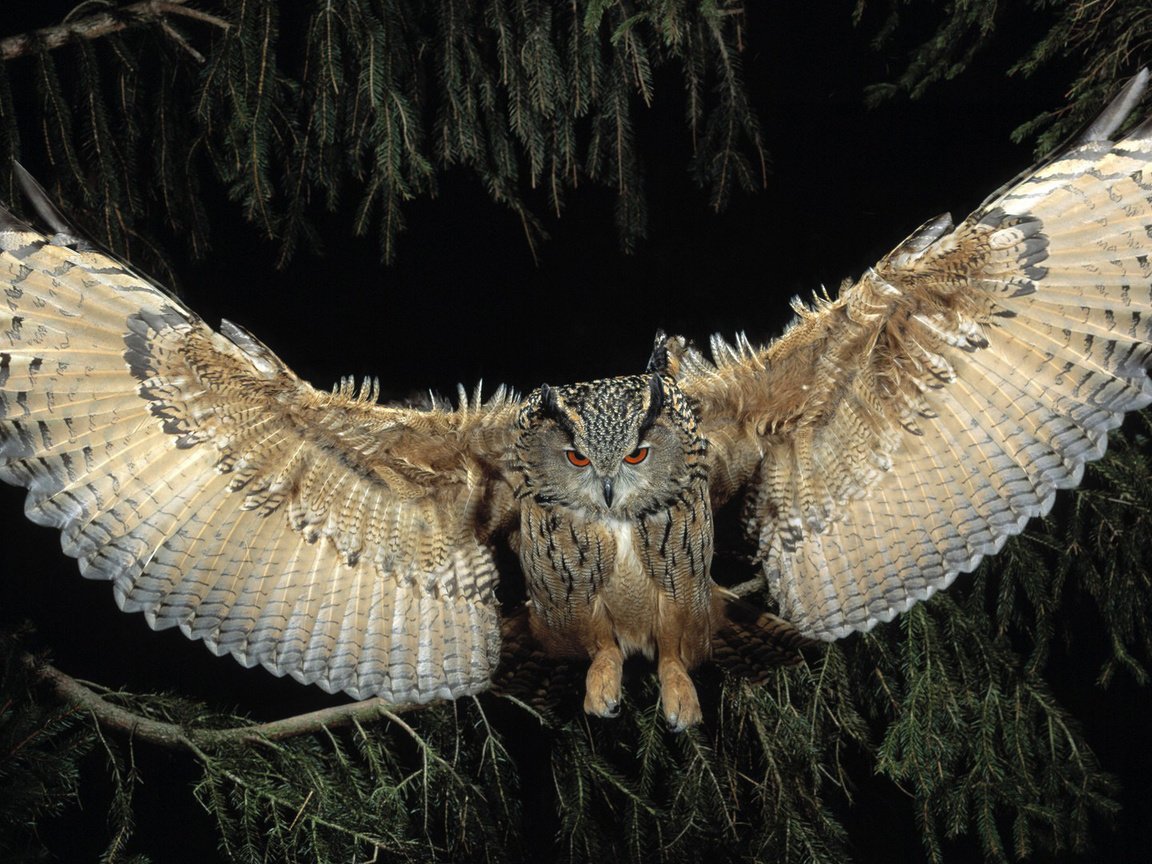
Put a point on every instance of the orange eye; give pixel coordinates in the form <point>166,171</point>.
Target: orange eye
<point>577,458</point>
<point>637,456</point>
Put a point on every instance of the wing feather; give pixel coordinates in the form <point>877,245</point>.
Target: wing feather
<point>896,435</point>
<point>316,534</point>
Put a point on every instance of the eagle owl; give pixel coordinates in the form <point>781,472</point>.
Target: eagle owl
<point>616,532</point>
<point>886,442</point>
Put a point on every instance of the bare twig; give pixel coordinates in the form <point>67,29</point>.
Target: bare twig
<point>177,737</point>
<point>101,24</point>
<point>178,37</point>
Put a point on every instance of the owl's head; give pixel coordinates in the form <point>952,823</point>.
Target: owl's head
<point>616,447</point>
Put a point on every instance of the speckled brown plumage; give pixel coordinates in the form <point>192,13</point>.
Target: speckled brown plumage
<point>886,442</point>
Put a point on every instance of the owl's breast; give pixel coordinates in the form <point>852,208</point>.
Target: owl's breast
<point>569,561</point>
<point>586,576</point>
<point>630,598</point>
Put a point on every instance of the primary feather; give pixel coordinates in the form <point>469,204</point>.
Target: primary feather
<point>314,534</point>
<point>895,436</point>
<point>888,441</point>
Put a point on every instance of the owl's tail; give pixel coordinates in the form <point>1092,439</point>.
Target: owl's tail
<point>746,641</point>
<point>551,685</point>
<point>751,642</point>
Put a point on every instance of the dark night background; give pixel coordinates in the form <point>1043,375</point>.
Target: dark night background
<point>465,302</point>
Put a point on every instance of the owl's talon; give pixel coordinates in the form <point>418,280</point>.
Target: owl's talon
<point>601,705</point>
<point>678,695</point>
<point>602,686</point>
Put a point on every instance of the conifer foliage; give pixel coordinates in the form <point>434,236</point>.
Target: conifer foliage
<point>1099,41</point>
<point>947,726</point>
<point>296,106</point>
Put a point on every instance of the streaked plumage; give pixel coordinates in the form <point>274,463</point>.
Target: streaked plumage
<point>886,442</point>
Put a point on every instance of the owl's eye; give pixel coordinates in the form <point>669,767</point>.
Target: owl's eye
<point>637,456</point>
<point>577,458</point>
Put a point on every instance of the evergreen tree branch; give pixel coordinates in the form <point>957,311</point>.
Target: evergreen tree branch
<point>176,736</point>
<point>41,749</point>
<point>104,24</point>
<point>1107,42</point>
<point>285,105</point>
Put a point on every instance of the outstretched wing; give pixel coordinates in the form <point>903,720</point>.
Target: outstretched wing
<point>896,435</point>
<point>319,535</point>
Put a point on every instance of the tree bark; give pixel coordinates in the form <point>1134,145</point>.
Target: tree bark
<point>103,23</point>
<point>177,737</point>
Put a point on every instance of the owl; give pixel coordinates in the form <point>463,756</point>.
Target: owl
<point>889,440</point>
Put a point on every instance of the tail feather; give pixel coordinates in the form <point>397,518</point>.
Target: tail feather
<point>752,643</point>
<point>550,684</point>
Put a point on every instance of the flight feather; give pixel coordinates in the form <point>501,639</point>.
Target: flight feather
<point>341,542</point>
<point>894,436</point>
<point>888,441</point>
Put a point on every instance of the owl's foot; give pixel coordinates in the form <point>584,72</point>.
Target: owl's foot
<point>678,695</point>
<point>602,686</point>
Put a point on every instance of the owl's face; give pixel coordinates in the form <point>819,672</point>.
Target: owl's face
<point>615,448</point>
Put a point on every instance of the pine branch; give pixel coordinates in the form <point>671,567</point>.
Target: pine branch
<point>1106,42</point>
<point>41,750</point>
<point>181,737</point>
<point>105,23</point>
<point>382,98</point>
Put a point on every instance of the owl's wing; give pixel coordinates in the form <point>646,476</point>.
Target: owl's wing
<point>341,542</point>
<point>894,436</point>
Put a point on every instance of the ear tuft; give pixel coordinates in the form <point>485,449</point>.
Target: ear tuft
<point>551,408</point>
<point>549,401</point>
<point>660,359</point>
<point>655,402</point>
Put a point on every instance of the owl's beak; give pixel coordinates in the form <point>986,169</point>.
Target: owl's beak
<point>607,481</point>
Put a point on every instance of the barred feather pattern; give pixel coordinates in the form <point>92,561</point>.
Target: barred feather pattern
<point>344,543</point>
<point>895,436</point>
<point>889,440</point>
